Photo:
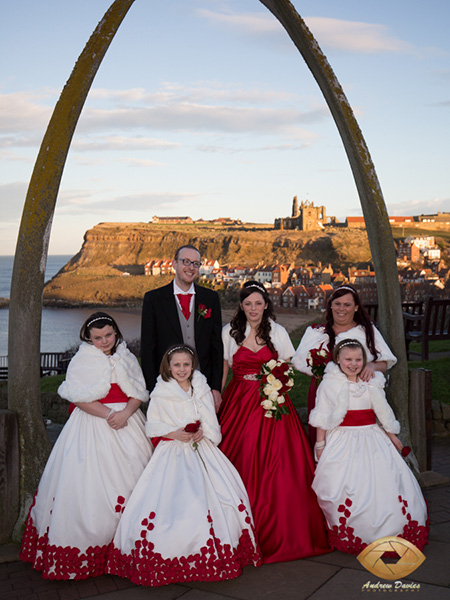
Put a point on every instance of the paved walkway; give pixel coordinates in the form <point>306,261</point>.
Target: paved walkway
<point>336,576</point>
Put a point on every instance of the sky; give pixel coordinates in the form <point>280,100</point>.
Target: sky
<point>204,108</point>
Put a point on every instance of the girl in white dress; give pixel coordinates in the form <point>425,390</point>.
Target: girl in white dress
<point>96,460</point>
<point>363,485</point>
<point>189,518</point>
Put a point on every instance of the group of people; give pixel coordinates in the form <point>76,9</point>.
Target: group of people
<point>209,483</point>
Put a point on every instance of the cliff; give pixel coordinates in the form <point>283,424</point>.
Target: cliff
<point>111,249</point>
<point>123,245</point>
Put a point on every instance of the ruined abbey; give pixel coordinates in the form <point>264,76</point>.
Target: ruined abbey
<point>305,217</point>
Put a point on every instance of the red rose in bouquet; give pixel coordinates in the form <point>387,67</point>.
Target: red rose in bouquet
<point>405,451</point>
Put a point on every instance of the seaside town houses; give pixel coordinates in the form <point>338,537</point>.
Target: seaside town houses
<point>421,272</point>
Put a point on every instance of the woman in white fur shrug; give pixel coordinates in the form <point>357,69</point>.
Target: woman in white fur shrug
<point>364,487</point>
<point>189,518</point>
<point>94,465</point>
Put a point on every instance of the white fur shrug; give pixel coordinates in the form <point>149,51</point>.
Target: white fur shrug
<point>171,408</point>
<point>333,397</point>
<point>91,372</point>
<point>278,334</point>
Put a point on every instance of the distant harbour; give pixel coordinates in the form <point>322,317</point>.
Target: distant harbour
<point>60,326</point>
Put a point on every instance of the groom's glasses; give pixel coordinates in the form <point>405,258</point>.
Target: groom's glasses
<point>187,263</point>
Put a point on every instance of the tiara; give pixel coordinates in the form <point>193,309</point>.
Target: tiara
<point>106,318</point>
<point>349,343</point>
<point>255,285</point>
<point>180,348</point>
<point>344,287</point>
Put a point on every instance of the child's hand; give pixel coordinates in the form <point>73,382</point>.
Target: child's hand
<point>319,453</point>
<point>394,439</point>
<point>180,434</point>
<point>198,435</point>
<point>118,419</point>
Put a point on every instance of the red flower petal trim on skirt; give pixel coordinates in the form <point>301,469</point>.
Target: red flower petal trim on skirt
<point>214,562</point>
<point>342,537</point>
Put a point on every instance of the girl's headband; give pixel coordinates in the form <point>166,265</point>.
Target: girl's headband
<point>180,349</point>
<point>106,318</point>
<point>349,343</point>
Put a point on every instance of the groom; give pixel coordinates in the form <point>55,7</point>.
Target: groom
<point>183,312</point>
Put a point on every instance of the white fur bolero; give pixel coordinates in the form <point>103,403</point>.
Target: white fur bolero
<point>171,408</point>
<point>278,334</point>
<point>91,372</point>
<point>333,397</point>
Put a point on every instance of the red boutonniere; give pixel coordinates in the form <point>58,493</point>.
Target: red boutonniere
<point>203,311</point>
<point>405,451</point>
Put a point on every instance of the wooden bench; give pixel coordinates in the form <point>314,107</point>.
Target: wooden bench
<point>432,325</point>
<point>52,363</point>
<point>413,308</point>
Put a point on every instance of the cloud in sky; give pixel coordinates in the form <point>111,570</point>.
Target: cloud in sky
<point>77,203</point>
<point>351,36</point>
<point>174,108</point>
<point>122,143</point>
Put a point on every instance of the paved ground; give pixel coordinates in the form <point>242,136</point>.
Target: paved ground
<point>336,576</point>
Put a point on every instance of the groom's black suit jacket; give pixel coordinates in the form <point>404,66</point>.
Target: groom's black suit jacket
<point>161,328</point>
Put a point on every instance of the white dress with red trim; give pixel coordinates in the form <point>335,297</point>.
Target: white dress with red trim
<point>363,485</point>
<point>189,518</point>
<point>88,478</point>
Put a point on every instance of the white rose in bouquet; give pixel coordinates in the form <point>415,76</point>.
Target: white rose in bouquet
<point>274,396</point>
<point>277,384</point>
<point>269,389</point>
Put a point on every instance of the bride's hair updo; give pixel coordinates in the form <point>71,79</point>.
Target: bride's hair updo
<point>239,321</point>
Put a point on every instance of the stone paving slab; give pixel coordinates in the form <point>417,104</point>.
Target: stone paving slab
<point>167,592</point>
<point>350,584</point>
<point>281,581</point>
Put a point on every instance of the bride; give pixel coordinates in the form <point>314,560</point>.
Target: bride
<point>273,457</point>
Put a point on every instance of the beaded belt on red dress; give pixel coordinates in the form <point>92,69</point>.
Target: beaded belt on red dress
<point>353,418</point>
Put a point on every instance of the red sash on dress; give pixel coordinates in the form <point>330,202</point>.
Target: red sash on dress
<point>155,440</point>
<point>354,418</point>
<point>114,395</point>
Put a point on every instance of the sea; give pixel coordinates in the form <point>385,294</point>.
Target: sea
<point>60,327</point>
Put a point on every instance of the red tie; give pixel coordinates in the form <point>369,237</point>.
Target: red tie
<point>185,301</point>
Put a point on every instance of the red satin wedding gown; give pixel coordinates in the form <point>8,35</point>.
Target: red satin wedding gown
<point>275,461</point>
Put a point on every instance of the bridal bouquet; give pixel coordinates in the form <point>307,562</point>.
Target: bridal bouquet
<point>276,380</point>
<point>317,359</point>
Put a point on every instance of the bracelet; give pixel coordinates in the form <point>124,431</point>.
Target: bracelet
<point>320,445</point>
<point>111,410</point>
